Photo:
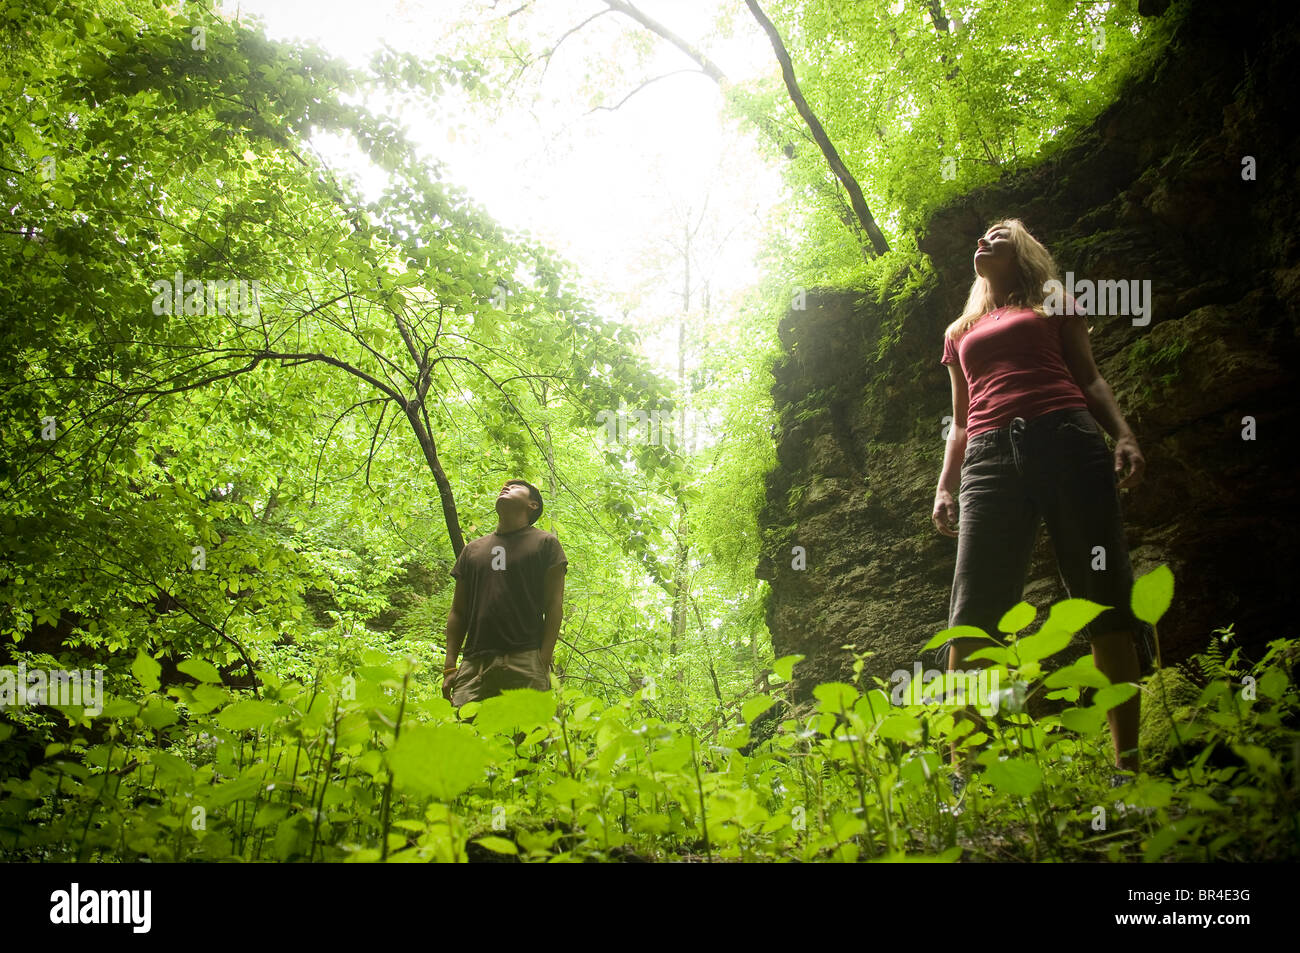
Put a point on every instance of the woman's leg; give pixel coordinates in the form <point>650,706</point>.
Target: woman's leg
<point>1081,506</point>
<point>1115,654</point>
<point>957,652</point>
<point>996,527</point>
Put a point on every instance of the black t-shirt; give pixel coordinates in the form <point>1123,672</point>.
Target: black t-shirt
<point>504,578</point>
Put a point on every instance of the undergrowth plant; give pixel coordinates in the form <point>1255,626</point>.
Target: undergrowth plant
<point>374,765</point>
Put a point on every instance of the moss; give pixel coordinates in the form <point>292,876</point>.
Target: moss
<point>1156,738</point>
<point>1157,369</point>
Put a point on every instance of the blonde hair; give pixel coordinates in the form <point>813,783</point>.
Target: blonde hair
<point>1034,266</point>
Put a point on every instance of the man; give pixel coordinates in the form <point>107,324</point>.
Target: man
<point>508,603</point>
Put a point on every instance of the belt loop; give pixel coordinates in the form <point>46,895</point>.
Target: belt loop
<point>1016,432</point>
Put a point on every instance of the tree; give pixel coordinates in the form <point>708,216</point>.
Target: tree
<point>202,312</point>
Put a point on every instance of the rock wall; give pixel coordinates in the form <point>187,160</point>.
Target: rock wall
<point>1153,190</point>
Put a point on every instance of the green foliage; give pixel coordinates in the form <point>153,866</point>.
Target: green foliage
<point>1155,369</point>
<point>923,110</point>
<point>259,488</point>
<point>376,765</point>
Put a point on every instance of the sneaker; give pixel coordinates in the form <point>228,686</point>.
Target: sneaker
<point>957,784</point>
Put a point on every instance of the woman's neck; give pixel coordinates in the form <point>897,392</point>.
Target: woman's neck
<point>1001,293</point>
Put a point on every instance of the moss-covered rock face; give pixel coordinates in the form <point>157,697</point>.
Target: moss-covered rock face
<point>1169,700</point>
<point>1154,190</point>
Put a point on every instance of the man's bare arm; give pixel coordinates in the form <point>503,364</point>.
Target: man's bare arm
<point>554,612</point>
<point>457,624</point>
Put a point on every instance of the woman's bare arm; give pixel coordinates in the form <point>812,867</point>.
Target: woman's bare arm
<point>1077,350</point>
<point>944,515</point>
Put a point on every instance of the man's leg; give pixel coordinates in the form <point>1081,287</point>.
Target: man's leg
<point>525,669</point>
<point>491,675</point>
<point>468,686</point>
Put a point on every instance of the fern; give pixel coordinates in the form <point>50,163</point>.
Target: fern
<point>1211,662</point>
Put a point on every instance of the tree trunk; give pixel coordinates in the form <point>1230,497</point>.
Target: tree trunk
<point>856,198</point>
<point>445,494</point>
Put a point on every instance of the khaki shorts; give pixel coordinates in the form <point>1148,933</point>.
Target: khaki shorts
<point>488,675</point>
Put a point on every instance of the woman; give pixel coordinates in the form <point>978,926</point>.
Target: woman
<point>1026,402</point>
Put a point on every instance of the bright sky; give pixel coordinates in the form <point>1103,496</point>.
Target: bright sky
<point>607,190</point>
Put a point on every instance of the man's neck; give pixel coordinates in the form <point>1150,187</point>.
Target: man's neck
<point>510,524</point>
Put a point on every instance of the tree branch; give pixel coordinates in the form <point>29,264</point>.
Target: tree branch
<point>833,159</point>
<point>638,89</point>
<point>707,66</point>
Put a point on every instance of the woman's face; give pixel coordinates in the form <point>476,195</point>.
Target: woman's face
<point>995,256</point>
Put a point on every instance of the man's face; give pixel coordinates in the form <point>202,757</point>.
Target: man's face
<point>515,494</point>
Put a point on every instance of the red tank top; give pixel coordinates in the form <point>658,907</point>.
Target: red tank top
<point>1014,367</point>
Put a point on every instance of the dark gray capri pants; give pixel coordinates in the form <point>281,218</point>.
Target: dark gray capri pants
<point>1055,468</point>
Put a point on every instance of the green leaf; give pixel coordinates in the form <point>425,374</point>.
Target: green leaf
<point>1153,793</point>
<point>1072,614</point>
<point>238,789</point>
<point>1085,721</point>
<point>1017,617</point>
<point>734,737</point>
<point>1041,644</point>
<point>247,714</point>
<point>784,666</point>
<point>120,708</point>
<point>291,837</point>
<point>754,707</point>
<point>159,714</point>
<point>872,706</point>
<point>567,789</point>
<point>900,727</point>
<point>199,669</point>
<point>834,697</point>
<point>208,697</point>
<point>170,767</point>
<point>994,653</point>
<point>1112,695</point>
<point>1261,760</point>
<point>956,632</point>
<point>1273,683</point>
<point>515,709</point>
<point>650,824</point>
<point>1152,594</point>
<point>1082,673</point>
<point>147,671</point>
<point>1016,777</point>
<point>438,761</point>
<point>498,845</point>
